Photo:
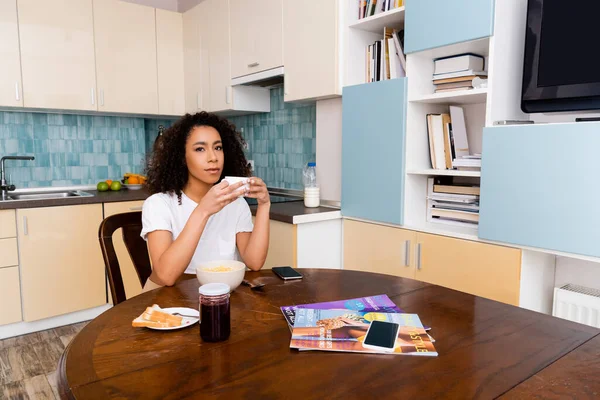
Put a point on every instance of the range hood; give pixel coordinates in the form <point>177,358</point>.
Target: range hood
<point>266,79</point>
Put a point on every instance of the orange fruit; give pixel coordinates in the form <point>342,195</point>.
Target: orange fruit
<point>108,182</point>
<point>133,180</point>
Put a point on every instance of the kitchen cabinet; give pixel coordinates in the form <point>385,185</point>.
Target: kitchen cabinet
<point>169,48</point>
<point>10,296</point>
<point>282,245</point>
<point>310,56</point>
<point>8,227</point>
<point>57,54</point>
<point>11,91</point>
<point>374,140</point>
<point>131,282</point>
<point>256,35</point>
<point>477,268</point>
<point>61,269</point>
<point>379,249</point>
<point>434,23</point>
<point>9,256</point>
<point>195,58</point>
<point>126,71</point>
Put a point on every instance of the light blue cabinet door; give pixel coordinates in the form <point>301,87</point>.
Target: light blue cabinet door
<point>435,23</point>
<point>373,147</point>
<point>539,186</point>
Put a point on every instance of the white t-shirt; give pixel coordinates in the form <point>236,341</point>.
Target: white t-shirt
<point>162,211</point>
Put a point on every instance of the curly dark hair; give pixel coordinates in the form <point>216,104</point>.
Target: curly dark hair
<point>166,168</point>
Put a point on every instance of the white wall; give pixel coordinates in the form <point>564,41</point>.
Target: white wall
<point>579,272</point>
<point>329,148</point>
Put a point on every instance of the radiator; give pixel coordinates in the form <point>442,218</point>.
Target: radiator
<point>577,303</point>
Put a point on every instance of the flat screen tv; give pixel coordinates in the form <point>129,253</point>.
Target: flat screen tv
<point>561,69</point>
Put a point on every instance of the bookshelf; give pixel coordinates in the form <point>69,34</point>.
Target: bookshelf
<point>444,172</point>
<point>472,96</point>
<point>391,19</point>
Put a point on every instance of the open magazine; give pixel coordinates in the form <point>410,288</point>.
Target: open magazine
<point>380,303</point>
<point>344,330</point>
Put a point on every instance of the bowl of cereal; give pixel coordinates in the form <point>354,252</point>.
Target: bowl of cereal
<point>230,272</point>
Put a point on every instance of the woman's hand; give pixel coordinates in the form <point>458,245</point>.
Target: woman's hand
<point>258,190</point>
<point>219,196</point>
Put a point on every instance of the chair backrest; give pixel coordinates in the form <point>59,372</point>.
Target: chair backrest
<point>131,224</point>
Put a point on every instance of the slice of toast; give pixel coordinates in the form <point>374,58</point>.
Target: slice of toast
<point>155,317</point>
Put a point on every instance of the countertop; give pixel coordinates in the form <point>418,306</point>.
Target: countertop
<point>291,211</point>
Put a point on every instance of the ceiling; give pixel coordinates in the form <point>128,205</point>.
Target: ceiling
<point>172,5</point>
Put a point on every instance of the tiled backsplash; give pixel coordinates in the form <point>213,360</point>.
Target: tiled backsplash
<point>70,149</point>
<point>280,142</point>
<point>81,149</point>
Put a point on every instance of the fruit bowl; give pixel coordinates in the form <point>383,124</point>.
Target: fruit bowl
<point>131,186</point>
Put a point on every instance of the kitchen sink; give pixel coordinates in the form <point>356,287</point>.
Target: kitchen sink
<point>47,195</point>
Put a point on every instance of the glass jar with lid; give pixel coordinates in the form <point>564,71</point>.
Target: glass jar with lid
<point>215,315</point>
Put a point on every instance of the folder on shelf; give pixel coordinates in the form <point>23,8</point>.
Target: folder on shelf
<point>459,131</point>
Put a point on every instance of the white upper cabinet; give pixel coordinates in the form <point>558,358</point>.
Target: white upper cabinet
<point>310,54</point>
<point>219,55</point>
<point>57,54</point>
<point>195,59</point>
<point>256,35</point>
<point>125,37</point>
<point>169,47</point>
<point>10,62</point>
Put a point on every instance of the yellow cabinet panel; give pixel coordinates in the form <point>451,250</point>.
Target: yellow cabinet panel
<point>125,40</point>
<point>169,46</point>
<point>131,282</point>
<point>195,58</point>
<point>10,296</point>
<point>11,93</point>
<point>8,226</point>
<point>481,269</point>
<point>57,54</point>
<point>380,249</point>
<point>256,35</point>
<point>61,263</point>
<point>282,245</point>
<point>310,56</point>
<point>9,255</point>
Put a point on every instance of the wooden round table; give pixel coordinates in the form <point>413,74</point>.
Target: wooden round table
<point>485,347</point>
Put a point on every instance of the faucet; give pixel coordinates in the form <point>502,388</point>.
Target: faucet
<point>5,187</point>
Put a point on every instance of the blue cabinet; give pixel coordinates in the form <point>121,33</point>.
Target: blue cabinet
<point>373,147</point>
<point>436,23</point>
<point>539,188</point>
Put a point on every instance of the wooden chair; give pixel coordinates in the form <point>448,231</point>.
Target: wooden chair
<point>131,223</point>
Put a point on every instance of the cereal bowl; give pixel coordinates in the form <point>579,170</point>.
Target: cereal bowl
<point>230,272</point>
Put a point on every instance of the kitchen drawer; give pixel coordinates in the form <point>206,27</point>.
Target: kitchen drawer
<point>8,224</point>
<point>10,296</point>
<point>9,255</point>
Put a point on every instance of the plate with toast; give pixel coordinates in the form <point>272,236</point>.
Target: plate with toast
<point>164,319</point>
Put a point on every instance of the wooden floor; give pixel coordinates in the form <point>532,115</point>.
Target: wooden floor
<point>28,363</point>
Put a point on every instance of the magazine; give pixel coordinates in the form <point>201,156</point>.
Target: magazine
<point>344,330</point>
<point>370,303</point>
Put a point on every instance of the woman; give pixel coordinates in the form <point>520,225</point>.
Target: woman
<point>191,217</point>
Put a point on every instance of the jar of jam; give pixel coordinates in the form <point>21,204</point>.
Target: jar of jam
<point>215,317</point>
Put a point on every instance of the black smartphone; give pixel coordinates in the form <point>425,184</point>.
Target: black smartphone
<point>287,273</point>
<point>381,336</point>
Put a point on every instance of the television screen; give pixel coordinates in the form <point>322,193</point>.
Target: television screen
<point>561,68</point>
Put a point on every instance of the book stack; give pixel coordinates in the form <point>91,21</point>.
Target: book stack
<point>452,203</point>
<point>459,72</point>
<point>368,8</point>
<point>448,141</point>
<point>342,326</point>
<point>385,58</point>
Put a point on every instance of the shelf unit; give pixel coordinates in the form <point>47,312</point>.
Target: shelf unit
<point>459,97</point>
<point>375,23</point>
<point>444,172</point>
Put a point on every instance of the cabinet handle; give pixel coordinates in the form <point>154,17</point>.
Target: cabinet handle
<point>93,97</point>
<point>254,64</point>
<point>228,94</point>
<point>138,208</point>
<point>419,256</point>
<point>407,253</point>
<point>17,94</point>
<point>25,227</point>
<point>102,97</point>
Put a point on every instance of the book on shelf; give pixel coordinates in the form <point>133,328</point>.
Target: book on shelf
<point>458,63</point>
<point>385,58</point>
<point>345,330</point>
<point>459,74</point>
<point>453,204</point>
<point>368,8</point>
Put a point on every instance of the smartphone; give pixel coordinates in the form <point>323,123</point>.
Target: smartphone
<point>381,335</point>
<point>287,273</point>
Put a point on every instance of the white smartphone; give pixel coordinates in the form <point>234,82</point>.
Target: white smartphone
<point>381,336</point>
